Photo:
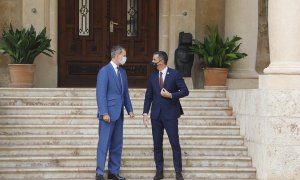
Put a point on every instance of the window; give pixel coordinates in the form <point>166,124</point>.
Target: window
<point>132,20</point>
<point>84,18</point>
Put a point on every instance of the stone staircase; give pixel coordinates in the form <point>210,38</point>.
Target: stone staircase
<point>52,134</point>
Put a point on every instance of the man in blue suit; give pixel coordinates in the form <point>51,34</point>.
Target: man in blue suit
<point>165,87</point>
<point>112,95</point>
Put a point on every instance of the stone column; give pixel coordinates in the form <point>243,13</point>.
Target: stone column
<point>164,20</point>
<point>278,97</point>
<point>284,34</point>
<point>241,19</point>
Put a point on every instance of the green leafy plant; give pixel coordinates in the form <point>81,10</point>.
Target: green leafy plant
<point>25,44</point>
<point>215,52</point>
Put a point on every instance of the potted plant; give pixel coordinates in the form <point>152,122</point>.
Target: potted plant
<point>217,56</point>
<point>23,46</point>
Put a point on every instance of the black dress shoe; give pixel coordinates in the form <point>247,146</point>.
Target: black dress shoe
<point>99,177</point>
<point>115,177</point>
<point>159,175</point>
<point>179,176</point>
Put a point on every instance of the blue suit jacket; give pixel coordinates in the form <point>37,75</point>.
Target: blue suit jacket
<point>171,108</point>
<point>111,95</point>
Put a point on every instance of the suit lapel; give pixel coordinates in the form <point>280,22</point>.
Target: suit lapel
<point>114,75</point>
<point>156,81</point>
<point>167,77</point>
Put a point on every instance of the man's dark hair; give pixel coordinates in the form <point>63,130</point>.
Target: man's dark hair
<point>162,55</point>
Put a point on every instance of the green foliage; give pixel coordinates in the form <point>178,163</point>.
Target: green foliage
<point>25,44</point>
<point>215,52</point>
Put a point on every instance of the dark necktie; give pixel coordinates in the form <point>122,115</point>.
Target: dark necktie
<point>161,81</point>
<point>119,76</point>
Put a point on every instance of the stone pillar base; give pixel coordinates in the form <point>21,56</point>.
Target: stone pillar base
<point>189,82</point>
<point>269,120</point>
<point>242,83</point>
<point>279,82</point>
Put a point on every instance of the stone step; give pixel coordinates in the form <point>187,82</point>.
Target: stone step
<point>90,92</point>
<point>93,178</point>
<point>135,173</point>
<point>128,129</point>
<point>91,101</point>
<point>150,178</point>
<point>127,161</point>
<point>127,140</point>
<point>128,150</point>
<point>92,120</point>
<point>88,110</point>
<point>51,133</point>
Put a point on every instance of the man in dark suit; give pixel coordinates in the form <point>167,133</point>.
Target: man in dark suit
<point>112,95</point>
<point>165,87</point>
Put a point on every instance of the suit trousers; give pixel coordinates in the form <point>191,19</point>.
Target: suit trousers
<point>171,127</point>
<point>110,138</point>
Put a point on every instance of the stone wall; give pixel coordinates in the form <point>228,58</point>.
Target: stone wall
<point>270,123</point>
<point>44,16</point>
<point>241,19</point>
<point>11,12</point>
<point>175,16</point>
<point>208,13</point>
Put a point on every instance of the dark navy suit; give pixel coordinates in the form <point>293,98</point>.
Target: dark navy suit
<point>165,113</point>
<point>112,95</point>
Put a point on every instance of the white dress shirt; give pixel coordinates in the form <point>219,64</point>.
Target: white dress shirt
<point>115,67</point>
<point>164,72</point>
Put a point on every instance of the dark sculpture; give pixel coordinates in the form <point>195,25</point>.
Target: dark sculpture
<point>183,58</point>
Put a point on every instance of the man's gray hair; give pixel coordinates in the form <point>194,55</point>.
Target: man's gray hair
<point>115,50</point>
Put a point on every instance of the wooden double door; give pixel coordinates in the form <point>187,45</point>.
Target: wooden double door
<point>89,28</point>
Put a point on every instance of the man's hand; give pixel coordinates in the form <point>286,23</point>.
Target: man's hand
<point>131,114</point>
<point>165,93</point>
<point>106,118</point>
<point>146,120</point>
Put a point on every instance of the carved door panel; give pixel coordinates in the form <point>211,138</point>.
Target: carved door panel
<point>89,28</point>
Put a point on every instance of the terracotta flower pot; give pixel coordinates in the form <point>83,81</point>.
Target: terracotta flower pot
<point>21,75</point>
<point>215,76</point>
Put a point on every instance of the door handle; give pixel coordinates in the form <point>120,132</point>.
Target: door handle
<point>111,26</point>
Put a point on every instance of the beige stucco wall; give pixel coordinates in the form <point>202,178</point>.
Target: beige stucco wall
<point>45,16</point>
<point>175,16</point>
<point>180,22</point>
<point>270,123</point>
<point>8,7</point>
<point>208,13</point>
<point>21,14</point>
<point>241,19</point>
